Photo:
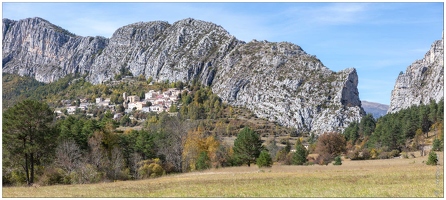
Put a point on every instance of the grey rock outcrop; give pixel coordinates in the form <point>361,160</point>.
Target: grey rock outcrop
<point>423,81</point>
<point>36,48</point>
<point>277,81</point>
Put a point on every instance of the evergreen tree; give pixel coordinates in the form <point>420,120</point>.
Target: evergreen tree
<point>367,125</point>
<point>432,160</point>
<point>264,159</point>
<point>202,161</point>
<point>351,133</point>
<point>436,145</point>
<point>300,156</point>
<point>28,134</point>
<point>337,161</point>
<point>247,146</point>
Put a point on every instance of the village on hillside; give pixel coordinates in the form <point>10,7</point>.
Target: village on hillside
<point>154,101</point>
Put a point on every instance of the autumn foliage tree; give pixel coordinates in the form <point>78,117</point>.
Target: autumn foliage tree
<point>199,147</point>
<point>329,145</point>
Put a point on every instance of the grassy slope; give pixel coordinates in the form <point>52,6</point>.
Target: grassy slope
<point>373,178</point>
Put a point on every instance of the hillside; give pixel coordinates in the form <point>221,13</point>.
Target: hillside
<point>277,81</point>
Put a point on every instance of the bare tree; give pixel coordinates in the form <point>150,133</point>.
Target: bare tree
<point>135,159</point>
<point>68,155</point>
<point>116,163</point>
<point>97,156</point>
<point>175,130</point>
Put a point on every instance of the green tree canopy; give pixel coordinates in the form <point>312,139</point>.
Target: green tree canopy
<point>247,146</point>
<point>264,159</point>
<point>300,156</point>
<point>28,134</point>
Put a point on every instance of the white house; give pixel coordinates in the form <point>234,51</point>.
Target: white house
<point>132,105</point>
<point>99,100</point>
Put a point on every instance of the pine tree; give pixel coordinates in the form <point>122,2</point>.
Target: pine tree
<point>300,156</point>
<point>337,161</point>
<point>432,160</point>
<point>202,161</point>
<point>28,134</point>
<point>264,159</point>
<point>247,146</point>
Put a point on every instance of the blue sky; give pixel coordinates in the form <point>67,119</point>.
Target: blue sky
<point>378,39</point>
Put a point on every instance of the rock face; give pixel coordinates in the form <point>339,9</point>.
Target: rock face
<point>36,48</point>
<point>277,81</point>
<point>423,81</point>
<point>376,109</point>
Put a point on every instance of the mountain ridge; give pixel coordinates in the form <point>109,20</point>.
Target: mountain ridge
<point>276,80</point>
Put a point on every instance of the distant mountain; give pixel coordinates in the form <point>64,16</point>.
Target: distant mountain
<point>277,81</point>
<point>376,109</point>
<point>422,82</point>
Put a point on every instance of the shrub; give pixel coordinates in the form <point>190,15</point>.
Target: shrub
<point>432,160</point>
<point>366,154</point>
<point>405,155</point>
<point>85,174</point>
<point>394,153</point>
<point>337,161</point>
<point>383,155</point>
<point>156,170</point>
<point>52,176</point>
<point>264,159</point>
<point>202,161</point>
<point>150,168</point>
<point>324,159</point>
<point>353,155</point>
<point>281,156</point>
<point>374,154</point>
<point>436,145</point>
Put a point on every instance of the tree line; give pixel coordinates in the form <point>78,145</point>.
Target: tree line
<point>395,133</point>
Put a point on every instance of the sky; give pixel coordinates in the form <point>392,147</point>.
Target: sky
<point>379,39</point>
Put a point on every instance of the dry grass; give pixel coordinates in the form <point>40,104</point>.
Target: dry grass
<point>374,178</point>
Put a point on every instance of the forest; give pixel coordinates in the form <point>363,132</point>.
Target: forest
<point>77,149</point>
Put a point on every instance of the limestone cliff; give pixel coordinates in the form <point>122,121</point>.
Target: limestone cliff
<point>423,81</point>
<point>278,81</point>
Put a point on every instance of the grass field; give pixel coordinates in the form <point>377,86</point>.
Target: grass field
<point>372,178</point>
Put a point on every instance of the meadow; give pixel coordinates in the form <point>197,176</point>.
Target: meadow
<point>370,178</point>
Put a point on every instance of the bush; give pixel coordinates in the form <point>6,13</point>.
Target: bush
<point>405,155</point>
<point>324,159</point>
<point>374,154</point>
<point>150,168</point>
<point>366,154</point>
<point>85,174</point>
<point>436,145</point>
<point>394,153</point>
<point>337,161</point>
<point>202,161</point>
<point>353,155</point>
<point>383,155</point>
<point>432,160</point>
<point>52,176</point>
<point>156,170</point>
<point>264,159</point>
